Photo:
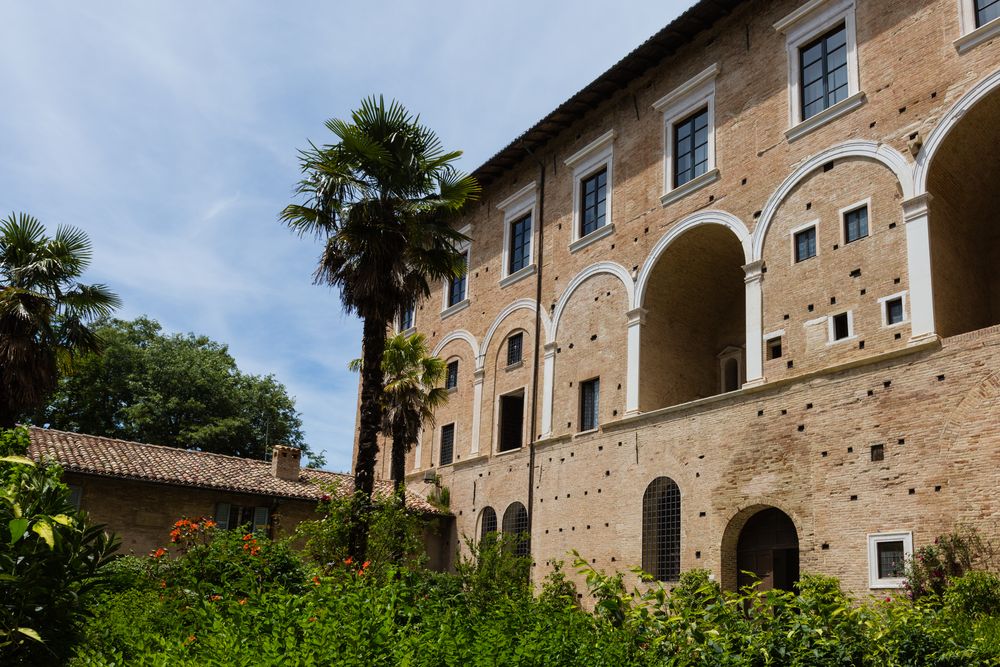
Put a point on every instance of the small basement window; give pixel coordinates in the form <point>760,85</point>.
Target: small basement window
<point>887,556</point>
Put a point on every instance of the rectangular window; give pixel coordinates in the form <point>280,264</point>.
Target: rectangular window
<point>456,287</point>
<point>823,72</point>
<point>878,452</point>
<point>75,494</point>
<point>593,200</point>
<point>447,443</point>
<point>406,319</point>
<point>520,244</point>
<point>233,517</point>
<point>511,421</point>
<point>691,147</point>
<point>451,376</point>
<point>894,311</point>
<point>805,244</point>
<point>514,346</point>
<point>891,558</point>
<point>887,554</point>
<point>986,11</point>
<point>774,348</point>
<point>590,397</point>
<point>841,326</point>
<point>856,224</point>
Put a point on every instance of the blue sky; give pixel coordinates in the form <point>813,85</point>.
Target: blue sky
<point>169,130</point>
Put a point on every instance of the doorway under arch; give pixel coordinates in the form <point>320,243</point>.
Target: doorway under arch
<point>760,543</point>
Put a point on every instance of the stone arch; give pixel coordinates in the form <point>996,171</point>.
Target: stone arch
<point>458,334</point>
<point>735,523</point>
<point>871,150</point>
<point>612,268</point>
<point>944,127</point>
<point>727,220</point>
<point>510,309</point>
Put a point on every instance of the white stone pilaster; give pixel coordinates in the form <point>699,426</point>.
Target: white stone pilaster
<point>478,377</point>
<point>916,214</point>
<point>548,380</point>
<point>754,322</point>
<point>636,318</point>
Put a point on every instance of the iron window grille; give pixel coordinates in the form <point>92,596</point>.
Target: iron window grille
<point>661,529</point>
<point>520,244</point>
<point>489,523</point>
<point>986,11</point>
<point>805,244</point>
<point>515,523</point>
<point>451,376</point>
<point>593,204</point>
<point>515,345</point>
<point>590,392</point>
<point>456,287</point>
<point>856,224</point>
<point>891,559</point>
<point>823,64</point>
<point>691,147</point>
<point>447,444</point>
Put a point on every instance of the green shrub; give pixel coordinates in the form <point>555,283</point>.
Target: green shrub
<point>974,594</point>
<point>51,561</point>
<point>952,555</point>
<point>493,570</point>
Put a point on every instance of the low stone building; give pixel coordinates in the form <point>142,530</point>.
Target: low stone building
<point>140,490</point>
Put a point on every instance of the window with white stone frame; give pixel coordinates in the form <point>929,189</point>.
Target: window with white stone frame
<point>979,22</point>
<point>593,178</point>
<point>689,136</point>
<point>518,240</point>
<point>887,556</point>
<point>823,73</point>
<point>456,290</point>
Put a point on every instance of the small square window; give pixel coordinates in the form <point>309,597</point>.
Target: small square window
<point>887,555</point>
<point>986,11</point>
<point>878,452</point>
<point>805,244</point>
<point>457,286</point>
<point>451,377</point>
<point>593,201</point>
<point>514,347</point>
<point>590,392</point>
<point>447,444</point>
<point>856,224</point>
<point>841,326</point>
<point>520,244</point>
<point>894,311</point>
<point>774,348</point>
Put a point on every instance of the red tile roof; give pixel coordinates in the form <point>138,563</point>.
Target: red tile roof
<point>109,457</point>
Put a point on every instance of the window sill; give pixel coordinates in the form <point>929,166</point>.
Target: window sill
<point>896,325</point>
<point>842,340</point>
<point>839,109</point>
<point>885,584</point>
<point>408,332</point>
<point>590,431</point>
<point>451,310</point>
<point>978,36</point>
<point>514,366</point>
<point>593,236</point>
<point>509,451</point>
<point>520,274</point>
<point>691,186</point>
<point>451,390</point>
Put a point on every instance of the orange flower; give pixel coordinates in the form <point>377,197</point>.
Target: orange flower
<point>243,601</point>
<point>348,560</point>
<point>248,537</point>
<point>210,524</point>
<point>312,619</point>
<point>163,584</point>
<point>190,639</point>
<point>159,553</point>
<point>316,581</point>
<point>364,566</point>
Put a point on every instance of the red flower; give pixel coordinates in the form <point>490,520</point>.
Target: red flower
<point>364,566</point>
<point>325,498</point>
<point>159,553</point>
<point>316,581</point>
<point>348,560</point>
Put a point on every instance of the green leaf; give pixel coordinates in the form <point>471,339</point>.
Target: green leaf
<point>28,632</point>
<point>63,520</point>
<point>44,530</point>
<point>17,459</point>
<point>17,528</point>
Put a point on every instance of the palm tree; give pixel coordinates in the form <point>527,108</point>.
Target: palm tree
<point>381,199</point>
<point>44,311</point>
<point>410,396</point>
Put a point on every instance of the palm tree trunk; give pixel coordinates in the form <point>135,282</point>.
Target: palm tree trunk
<point>372,381</point>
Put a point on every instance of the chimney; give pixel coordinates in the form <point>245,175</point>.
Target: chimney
<point>285,462</point>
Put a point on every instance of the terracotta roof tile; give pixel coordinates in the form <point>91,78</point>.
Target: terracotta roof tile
<point>109,457</point>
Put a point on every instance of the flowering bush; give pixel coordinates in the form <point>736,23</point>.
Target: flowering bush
<point>934,566</point>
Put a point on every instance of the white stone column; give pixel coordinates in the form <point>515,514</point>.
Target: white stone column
<point>636,318</point>
<point>754,323</point>
<point>548,379</point>
<point>478,378</point>
<point>916,214</point>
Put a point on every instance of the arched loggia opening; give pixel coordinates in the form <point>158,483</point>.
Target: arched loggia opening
<point>694,337</point>
<point>965,221</point>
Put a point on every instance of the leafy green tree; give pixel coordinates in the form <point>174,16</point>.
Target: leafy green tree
<point>51,559</point>
<point>174,390</point>
<point>410,395</point>
<point>44,311</point>
<point>381,199</point>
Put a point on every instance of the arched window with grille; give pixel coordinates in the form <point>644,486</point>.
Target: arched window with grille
<point>661,529</point>
<point>487,522</point>
<point>515,523</point>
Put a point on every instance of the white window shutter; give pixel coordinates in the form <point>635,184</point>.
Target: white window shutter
<point>222,515</point>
